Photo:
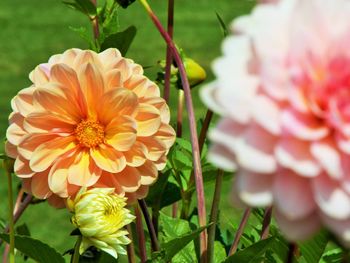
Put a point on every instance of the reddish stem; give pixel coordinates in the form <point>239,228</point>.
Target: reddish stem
<point>140,235</point>
<point>239,232</point>
<point>193,130</point>
<point>266,223</point>
<point>130,247</point>
<point>94,22</point>
<point>151,230</point>
<point>169,59</point>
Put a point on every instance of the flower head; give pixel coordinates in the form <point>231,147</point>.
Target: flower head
<point>88,120</point>
<point>282,89</point>
<point>100,215</point>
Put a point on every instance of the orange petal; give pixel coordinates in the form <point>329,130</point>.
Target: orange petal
<point>166,134</point>
<point>109,180</point>
<point>42,122</point>
<point>114,79</point>
<point>92,86</point>
<point>129,179</point>
<point>156,148</point>
<point>32,141</point>
<point>148,120</point>
<point>137,84</point>
<point>11,150</point>
<point>15,131</point>
<point>136,156</point>
<point>83,171</point>
<point>123,66</point>
<point>56,201</point>
<point>68,78</point>
<point>48,152</point>
<point>108,158</point>
<point>108,55</point>
<point>40,187</point>
<point>148,172</point>
<point>69,56</point>
<point>22,168</point>
<point>24,101</point>
<point>161,105</point>
<point>38,76</point>
<point>121,133</point>
<point>85,57</point>
<point>139,194</point>
<point>116,102</point>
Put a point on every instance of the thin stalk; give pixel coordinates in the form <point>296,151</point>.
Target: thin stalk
<point>94,22</point>
<point>193,129</point>
<point>76,254</point>
<point>140,235</point>
<point>130,247</point>
<point>169,58</point>
<point>266,223</point>
<point>239,232</point>
<point>214,215</point>
<point>174,209</point>
<point>291,251</point>
<point>11,218</point>
<point>152,232</point>
<point>18,213</point>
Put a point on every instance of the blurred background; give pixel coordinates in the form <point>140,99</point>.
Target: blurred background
<point>33,30</point>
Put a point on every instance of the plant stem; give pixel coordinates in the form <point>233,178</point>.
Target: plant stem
<point>169,59</point>
<point>152,232</point>
<point>19,212</point>
<point>292,248</point>
<point>266,223</point>
<point>239,232</point>
<point>94,22</point>
<point>76,254</point>
<point>214,215</point>
<point>180,109</point>
<point>11,218</point>
<point>193,130</point>
<point>130,247</point>
<point>140,235</point>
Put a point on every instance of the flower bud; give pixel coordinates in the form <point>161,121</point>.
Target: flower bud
<point>195,73</point>
<point>100,215</point>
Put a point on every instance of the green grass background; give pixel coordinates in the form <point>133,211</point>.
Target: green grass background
<point>33,30</point>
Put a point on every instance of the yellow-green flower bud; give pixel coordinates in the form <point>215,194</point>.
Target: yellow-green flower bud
<point>100,215</point>
<point>195,73</point>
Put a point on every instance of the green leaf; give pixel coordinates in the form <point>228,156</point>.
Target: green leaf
<point>84,6</point>
<point>312,250</point>
<point>253,253</point>
<point>333,256</point>
<point>125,3</point>
<point>219,252</point>
<point>121,40</point>
<point>35,249</point>
<point>23,230</point>
<point>156,197</point>
<point>222,25</point>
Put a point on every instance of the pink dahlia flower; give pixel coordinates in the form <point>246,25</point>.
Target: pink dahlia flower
<point>88,120</point>
<point>283,91</point>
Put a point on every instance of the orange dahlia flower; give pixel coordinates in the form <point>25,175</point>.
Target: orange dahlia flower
<point>88,120</point>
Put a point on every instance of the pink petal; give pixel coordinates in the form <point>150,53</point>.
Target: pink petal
<point>293,195</point>
<point>254,189</point>
<point>300,229</point>
<point>331,198</point>
<point>295,154</point>
<point>303,126</point>
<point>222,157</point>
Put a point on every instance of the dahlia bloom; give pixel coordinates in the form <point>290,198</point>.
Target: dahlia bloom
<point>282,90</point>
<point>88,120</point>
<point>100,215</point>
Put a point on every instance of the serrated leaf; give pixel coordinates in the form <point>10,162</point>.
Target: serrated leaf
<point>35,249</point>
<point>121,40</point>
<point>333,256</point>
<point>253,253</point>
<point>312,250</point>
<point>219,252</point>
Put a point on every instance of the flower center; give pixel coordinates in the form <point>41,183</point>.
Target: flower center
<point>89,133</point>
